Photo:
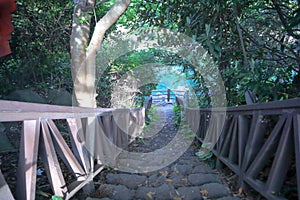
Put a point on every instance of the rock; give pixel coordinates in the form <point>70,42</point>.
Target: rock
<point>163,192</point>
<point>26,96</point>
<point>105,190</point>
<point>156,180</point>
<point>132,181</point>
<point>189,160</point>
<point>178,180</point>
<point>189,193</point>
<point>202,169</point>
<point>215,190</point>
<point>186,178</point>
<point>2,128</point>
<point>229,198</point>
<point>201,179</point>
<point>5,143</point>
<point>59,97</point>
<point>145,193</point>
<point>122,192</point>
<point>115,192</point>
<point>182,169</point>
<point>90,198</point>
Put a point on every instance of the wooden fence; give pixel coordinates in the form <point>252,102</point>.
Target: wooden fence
<point>260,143</point>
<point>166,95</point>
<point>42,137</point>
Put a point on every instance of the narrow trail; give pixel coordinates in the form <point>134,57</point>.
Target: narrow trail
<point>184,178</point>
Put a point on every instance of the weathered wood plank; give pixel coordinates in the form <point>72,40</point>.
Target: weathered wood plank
<point>5,192</point>
<point>51,163</point>
<point>65,152</point>
<point>27,165</point>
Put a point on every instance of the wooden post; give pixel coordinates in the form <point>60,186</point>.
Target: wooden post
<point>26,183</point>
<point>169,91</point>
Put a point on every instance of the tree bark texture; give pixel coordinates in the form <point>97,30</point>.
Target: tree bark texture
<point>83,61</point>
<point>83,51</point>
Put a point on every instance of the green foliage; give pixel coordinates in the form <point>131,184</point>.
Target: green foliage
<point>186,132</point>
<point>151,118</point>
<point>40,47</point>
<point>177,112</point>
<point>267,62</point>
<point>133,63</point>
<point>151,114</point>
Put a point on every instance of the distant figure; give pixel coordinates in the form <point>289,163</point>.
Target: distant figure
<point>169,94</point>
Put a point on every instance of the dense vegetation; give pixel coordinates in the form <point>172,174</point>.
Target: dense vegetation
<point>40,46</point>
<point>256,45</point>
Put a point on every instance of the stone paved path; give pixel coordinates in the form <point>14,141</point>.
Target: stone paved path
<point>186,178</point>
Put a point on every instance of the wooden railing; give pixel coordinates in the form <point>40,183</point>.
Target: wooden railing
<point>166,95</point>
<point>260,143</point>
<point>41,136</point>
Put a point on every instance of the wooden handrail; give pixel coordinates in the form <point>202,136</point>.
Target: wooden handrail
<point>40,135</point>
<point>246,139</point>
<point>278,106</point>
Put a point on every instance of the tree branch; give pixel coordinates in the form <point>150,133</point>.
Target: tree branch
<point>105,23</point>
<point>287,47</point>
<point>252,39</point>
<point>240,34</point>
<point>283,20</point>
<point>101,2</point>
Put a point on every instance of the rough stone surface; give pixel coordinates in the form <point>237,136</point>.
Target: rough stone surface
<point>145,193</point>
<point>156,180</point>
<point>132,181</point>
<point>189,193</point>
<point>182,169</point>
<point>26,96</point>
<point>215,190</point>
<point>186,178</point>
<point>105,190</point>
<point>178,180</point>
<point>2,127</point>
<point>115,192</point>
<point>59,97</point>
<point>122,192</point>
<point>165,191</point>
<point>228,198</point>
<point>202,169</point>
<point>201,179</point>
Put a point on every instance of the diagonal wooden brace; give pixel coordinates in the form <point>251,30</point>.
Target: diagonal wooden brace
<point>51,164</point>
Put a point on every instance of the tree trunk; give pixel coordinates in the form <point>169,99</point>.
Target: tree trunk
<point>83,61</point>
<point>83,78</point>
<point>83,54</point>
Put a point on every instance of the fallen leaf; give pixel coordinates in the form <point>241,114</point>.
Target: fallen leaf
<point>164,173</point>
<point>177,198</point>
<point>184,179</point>
<point>149,194</point>
<point>240,191</point>
<point>204,193</point>
<point>169,180</point>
